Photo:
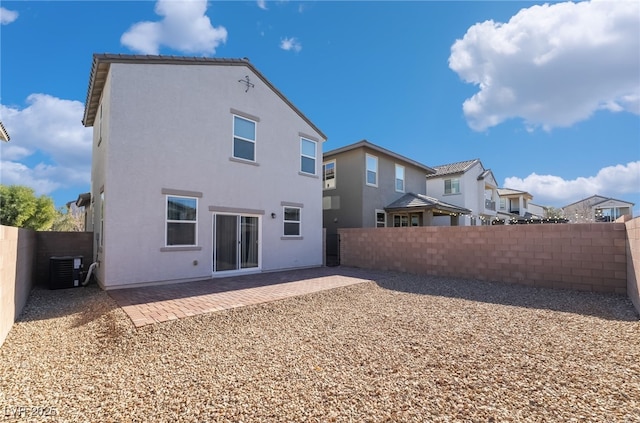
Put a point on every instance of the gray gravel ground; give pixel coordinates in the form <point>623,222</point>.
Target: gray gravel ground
<point>406,348</point>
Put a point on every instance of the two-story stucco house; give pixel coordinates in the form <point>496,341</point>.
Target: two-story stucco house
<point>368,186</point>
<point>465,184</point>
<point>201,168</point>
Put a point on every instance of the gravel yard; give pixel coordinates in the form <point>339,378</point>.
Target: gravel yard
<point>406,348</point>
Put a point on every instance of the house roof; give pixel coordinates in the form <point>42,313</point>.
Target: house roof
<point>420,201</point>
<point>102,63</point>
<point>453,168</point>
<point>372,146</point>
<point>4,135</point>
<point>594,200</point>
<point>506,192</point>
<point>83,199</point>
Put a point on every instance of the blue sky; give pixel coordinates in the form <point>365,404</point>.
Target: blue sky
<point>546,95</point>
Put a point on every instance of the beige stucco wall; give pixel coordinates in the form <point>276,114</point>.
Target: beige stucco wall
<point>17,252</point>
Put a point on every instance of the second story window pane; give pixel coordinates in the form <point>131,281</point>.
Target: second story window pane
<point>307,156</point>
<point>329,175</point>
<point>372,170</point>
<point>244,138</point>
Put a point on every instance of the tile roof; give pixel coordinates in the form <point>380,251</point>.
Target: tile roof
<point>594,200</point>
<point>102,62</point>
<point>4,135</point>
<point>372,146</point>
<point>451,168</point>
<point>508,191</point>
<point>411,200</point>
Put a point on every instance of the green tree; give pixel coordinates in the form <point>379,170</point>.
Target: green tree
<point>20,207</point>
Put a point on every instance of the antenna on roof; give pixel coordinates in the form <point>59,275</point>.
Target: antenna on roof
<point>246,82</point>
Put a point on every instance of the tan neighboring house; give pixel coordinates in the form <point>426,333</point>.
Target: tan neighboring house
<point>368,186</point>
<point>469,185</point>
<point>597,209</point>
<point>4,135</point>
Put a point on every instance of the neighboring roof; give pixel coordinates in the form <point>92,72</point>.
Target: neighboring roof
<point>453,168</point>
<point>367,144</point>
<point>594,200</point>
<point>4,135</point>
<point>83,199</point>
<point>420,201</point>
<point>505,192</point>
<point>102,62</point>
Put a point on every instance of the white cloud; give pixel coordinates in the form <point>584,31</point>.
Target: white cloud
<point>552,65</point>
<point>290,44</point>
<point>7,16</point>
<point>612,181</point>
<point>49,147</point>
<point>262,4</point>
<point>185,27</point>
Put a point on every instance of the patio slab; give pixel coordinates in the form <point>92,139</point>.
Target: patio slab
<point>161,303</point>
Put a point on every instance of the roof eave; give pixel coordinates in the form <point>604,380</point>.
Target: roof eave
<point>102,63</point>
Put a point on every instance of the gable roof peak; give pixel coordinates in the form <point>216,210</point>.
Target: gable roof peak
<point>102,62</point>
<point>453,168</point>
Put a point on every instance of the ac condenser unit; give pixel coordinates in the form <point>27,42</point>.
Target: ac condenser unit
<point>65,272</point>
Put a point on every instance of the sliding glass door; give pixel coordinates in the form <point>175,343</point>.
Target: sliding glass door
<point>235,239</point>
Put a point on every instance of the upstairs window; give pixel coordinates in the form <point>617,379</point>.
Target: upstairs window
<point>372,170</point>
<point>182,218</point>
<point>399,178</point>
<point>452,186</point>
<point>292,221</point>
<point>329,175</point>
<point>244,139</point>
<point>308,156</point>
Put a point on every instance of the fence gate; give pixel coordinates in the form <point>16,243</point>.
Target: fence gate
<point>333,250</point>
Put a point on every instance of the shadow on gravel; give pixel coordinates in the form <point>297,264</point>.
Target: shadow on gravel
<point>601,305</point>
<point>84,303</point>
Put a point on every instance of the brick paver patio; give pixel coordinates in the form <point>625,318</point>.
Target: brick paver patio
<point>169,302</point>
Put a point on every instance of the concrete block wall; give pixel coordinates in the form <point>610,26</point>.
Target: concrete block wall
<point>17,255</point>
<point>53,244</point>
<point>586,257</point>
<point>633,261</point>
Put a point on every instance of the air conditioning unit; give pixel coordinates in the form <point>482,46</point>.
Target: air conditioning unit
<point>65,272</point>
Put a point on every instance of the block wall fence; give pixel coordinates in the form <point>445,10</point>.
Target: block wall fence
<point>585,257</point>
<point>633,261</point>
<point>24,263</point>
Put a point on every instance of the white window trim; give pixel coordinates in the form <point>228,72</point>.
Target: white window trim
<point>315,158</point>
<point>452,193</point>
<point>299,222</point>
<point>376,218</point>
<point>335,179</point>
<point>234,136</point>
<point>403,178</point>
<point>366,170</point>
<point>167,221</point>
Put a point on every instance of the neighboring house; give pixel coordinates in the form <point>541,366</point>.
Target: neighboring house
<point>537,210</point>
<point>367,186</point>
<point>513,206</point>
<point>4,135</point>
<point>201,168</point>
<point>83,203</point>
<point>465,184</point>
<point>597,209</point>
